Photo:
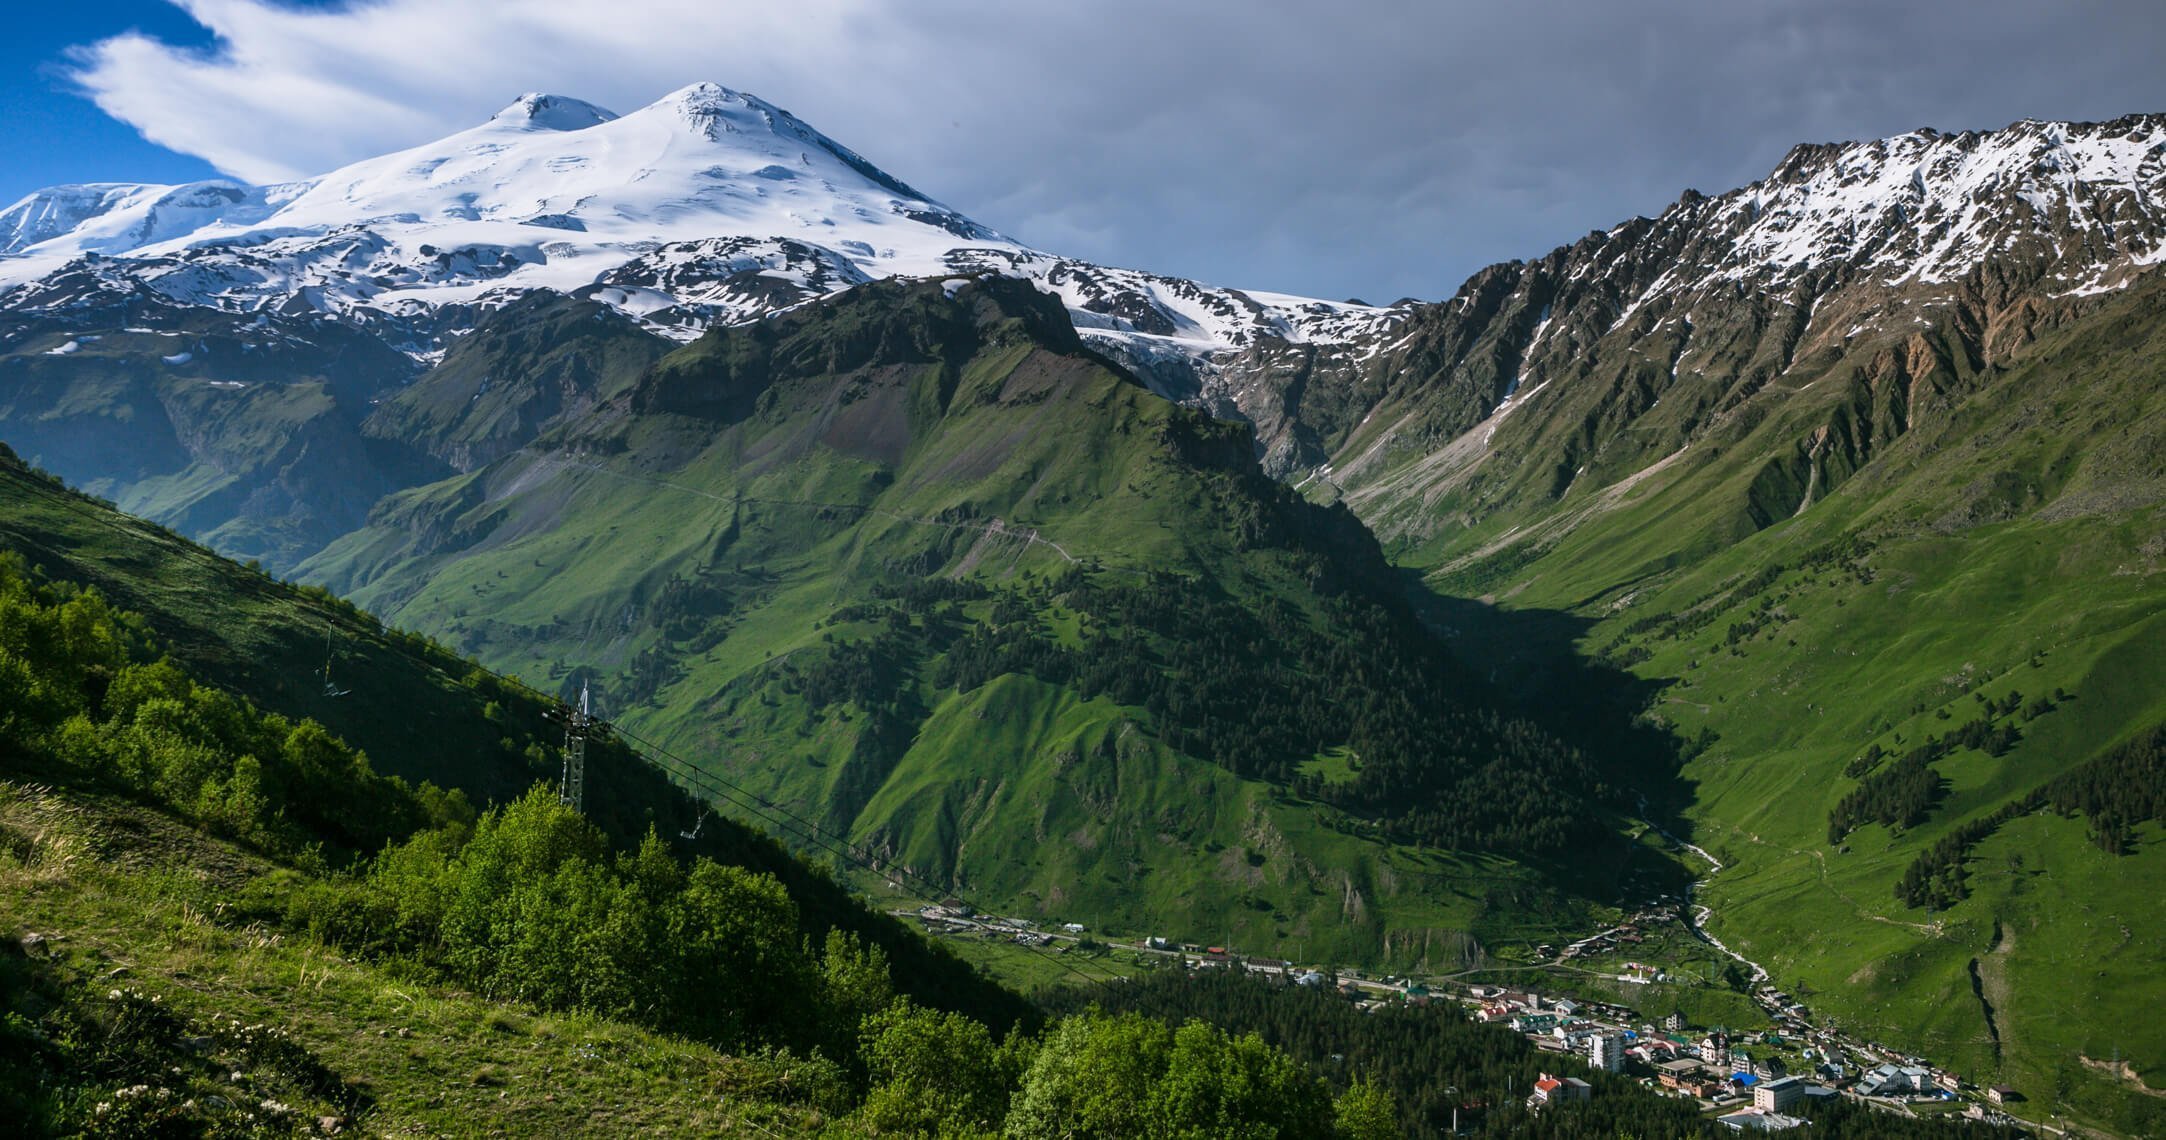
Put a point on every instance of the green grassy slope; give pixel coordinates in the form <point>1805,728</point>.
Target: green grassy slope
<point>170,996</point>
<point>768,552</point>
<point>2010,544</point>
<point>240,429</point>
<point>521,368</point>
<point>416,710</point>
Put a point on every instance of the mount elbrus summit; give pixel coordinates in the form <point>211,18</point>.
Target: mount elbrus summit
<point>1819,523</point>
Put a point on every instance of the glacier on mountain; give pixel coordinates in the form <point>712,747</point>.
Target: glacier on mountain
<point>708,206</point>
<point>711,206</point>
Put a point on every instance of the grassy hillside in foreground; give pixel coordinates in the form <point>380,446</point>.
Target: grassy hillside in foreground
<point>1989,588</point>
<point>415,710</point>
<point>166,996</point>
<point>915,562</point>
<point>207,865</point>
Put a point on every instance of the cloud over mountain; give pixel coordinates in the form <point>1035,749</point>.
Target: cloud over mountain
<point>1367,147</point>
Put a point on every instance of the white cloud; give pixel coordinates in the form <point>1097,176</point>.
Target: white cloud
<point>1366,146</point>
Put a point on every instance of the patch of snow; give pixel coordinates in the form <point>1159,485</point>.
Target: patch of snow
<point>632,204</point>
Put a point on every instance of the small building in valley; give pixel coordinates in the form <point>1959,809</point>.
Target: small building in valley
<point>1755,1120</point>
<point>1778,1095</point>
<point>1553,1090</point>
<point>1686,1076</point>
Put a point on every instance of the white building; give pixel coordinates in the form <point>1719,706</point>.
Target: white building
<point>1777,1095</point>
<point>1552,1090</point>
<point>1894,1080</point>
<point>1607,1051</point>
<point>1754,1120</point>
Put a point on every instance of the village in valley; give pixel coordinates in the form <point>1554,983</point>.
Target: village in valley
<point>1749,1080</point>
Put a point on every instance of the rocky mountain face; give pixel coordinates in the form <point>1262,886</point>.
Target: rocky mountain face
<point>1896,269</point>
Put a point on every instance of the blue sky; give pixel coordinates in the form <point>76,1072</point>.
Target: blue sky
<point>49,133</point>
<point>1335,148</point>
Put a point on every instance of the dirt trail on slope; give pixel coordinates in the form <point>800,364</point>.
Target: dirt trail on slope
<point>2125,1071</point>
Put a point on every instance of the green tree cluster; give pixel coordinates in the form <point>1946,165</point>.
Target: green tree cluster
<point>81,688</point>
<point>529,904</point>
<point>1129,1075</point>
<point>1261,688</point>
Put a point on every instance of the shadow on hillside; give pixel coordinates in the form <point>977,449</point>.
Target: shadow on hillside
<point>1533,659</point>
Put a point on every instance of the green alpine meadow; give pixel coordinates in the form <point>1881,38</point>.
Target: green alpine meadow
<point>649,624</point>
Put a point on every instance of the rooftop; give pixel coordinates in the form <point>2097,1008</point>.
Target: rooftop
<point>1753,1120</point>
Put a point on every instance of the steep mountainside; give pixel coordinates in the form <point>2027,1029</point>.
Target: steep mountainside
<point>709,207</point>
<point>1862,468</point>
<point>414,710</point>
<point>537,362</point>
<point>917,562</point>
<point>1857,290</point>
<point>242,430</point>
<point>1921,704</point>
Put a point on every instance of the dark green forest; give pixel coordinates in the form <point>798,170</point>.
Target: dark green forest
<point>1259,689</point>
<point>2113,792</point>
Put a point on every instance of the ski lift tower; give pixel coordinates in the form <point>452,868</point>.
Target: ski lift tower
<point>579,724</point>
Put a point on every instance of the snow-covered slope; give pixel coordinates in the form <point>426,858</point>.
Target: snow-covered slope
<point>709,205</point>
<point>1931,207</point>
<point>112,217</point>
<point>1840,246</point>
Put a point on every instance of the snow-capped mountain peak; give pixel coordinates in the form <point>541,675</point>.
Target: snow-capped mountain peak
<point>1927,206</point>
<point>541,112</point>
<point>708,205</point>
<point>706,107</point>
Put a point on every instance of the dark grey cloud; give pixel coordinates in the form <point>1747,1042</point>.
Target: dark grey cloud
<point>1336,149</point>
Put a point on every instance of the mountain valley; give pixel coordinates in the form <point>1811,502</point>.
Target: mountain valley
<point>1819,523</point>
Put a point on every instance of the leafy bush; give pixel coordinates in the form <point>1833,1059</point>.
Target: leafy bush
<point>80,684</point>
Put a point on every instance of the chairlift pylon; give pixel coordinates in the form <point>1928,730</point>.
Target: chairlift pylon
<point>330,688</point>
